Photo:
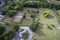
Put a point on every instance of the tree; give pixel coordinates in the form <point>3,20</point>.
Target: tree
<point>11,13</point>
<point>6,38</point>
<point>34,25</point>
<point>17,7</point>
<point>46,13</point>
<point>7,24</point>
<point>2,29</point>
<point>25,36</point>
<point>32,16</point>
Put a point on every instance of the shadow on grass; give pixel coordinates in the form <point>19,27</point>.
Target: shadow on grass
<point>50,17</point>
<point>39,32</point>
<point>41,25</point>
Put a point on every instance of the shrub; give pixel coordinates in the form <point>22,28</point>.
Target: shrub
<point>16,27</point>
<point>11,13</point>
<point>51,26</point>
<point>2,29</point>
<point>34,39</point>
<point>25,36</point>
<point>6,38</point>
<point>33,27</point>
<point>17,7</point>
<point>32,16</point>
<point>46,13</point>
<point>58,20</point>
<point>7,24</point>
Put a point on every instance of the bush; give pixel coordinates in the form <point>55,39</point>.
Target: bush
<point>51,26</point>
<point>7,24</point>
<point>11,13</point>
<point>33,27</point>
<point>7,35</point>
<point>58,20</point>
<point>32,16</point>
<point>35,24</point>
<point>25,36</point>
<point>2,29</point>
<point>46,13</point>
<point>6,38</point>
<point>16,27</point>
<point>34,39</point>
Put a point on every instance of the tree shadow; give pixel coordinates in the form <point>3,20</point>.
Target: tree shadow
<point>50,17</point>
<point>41,25</point>
<point>39,32</point>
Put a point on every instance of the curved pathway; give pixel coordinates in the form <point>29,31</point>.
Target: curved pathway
<point>19,34</point>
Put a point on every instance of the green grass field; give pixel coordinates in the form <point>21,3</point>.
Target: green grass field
<point>46,33</point>
<point>45,20</point>
<point>10,26</point>
<point>27,22</point>
<point>58,15</point>
<point>40,34</point>
<point>29,12</point>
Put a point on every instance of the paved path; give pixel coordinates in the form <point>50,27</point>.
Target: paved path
<point>18,35</point>
<point>26,30</point>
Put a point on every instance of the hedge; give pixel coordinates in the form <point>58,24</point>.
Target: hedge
<point>43,5</point>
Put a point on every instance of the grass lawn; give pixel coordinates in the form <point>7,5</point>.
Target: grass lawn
<point>10,27</point>
<point>45,20</point>
<point>39,34</point>
<point>56,2</point>
<point>7,19</point>
<point>27,22</point>
<point>46,33</point>
<point>58,12</point>
<point>28,11</point>
<point>58,15</point>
